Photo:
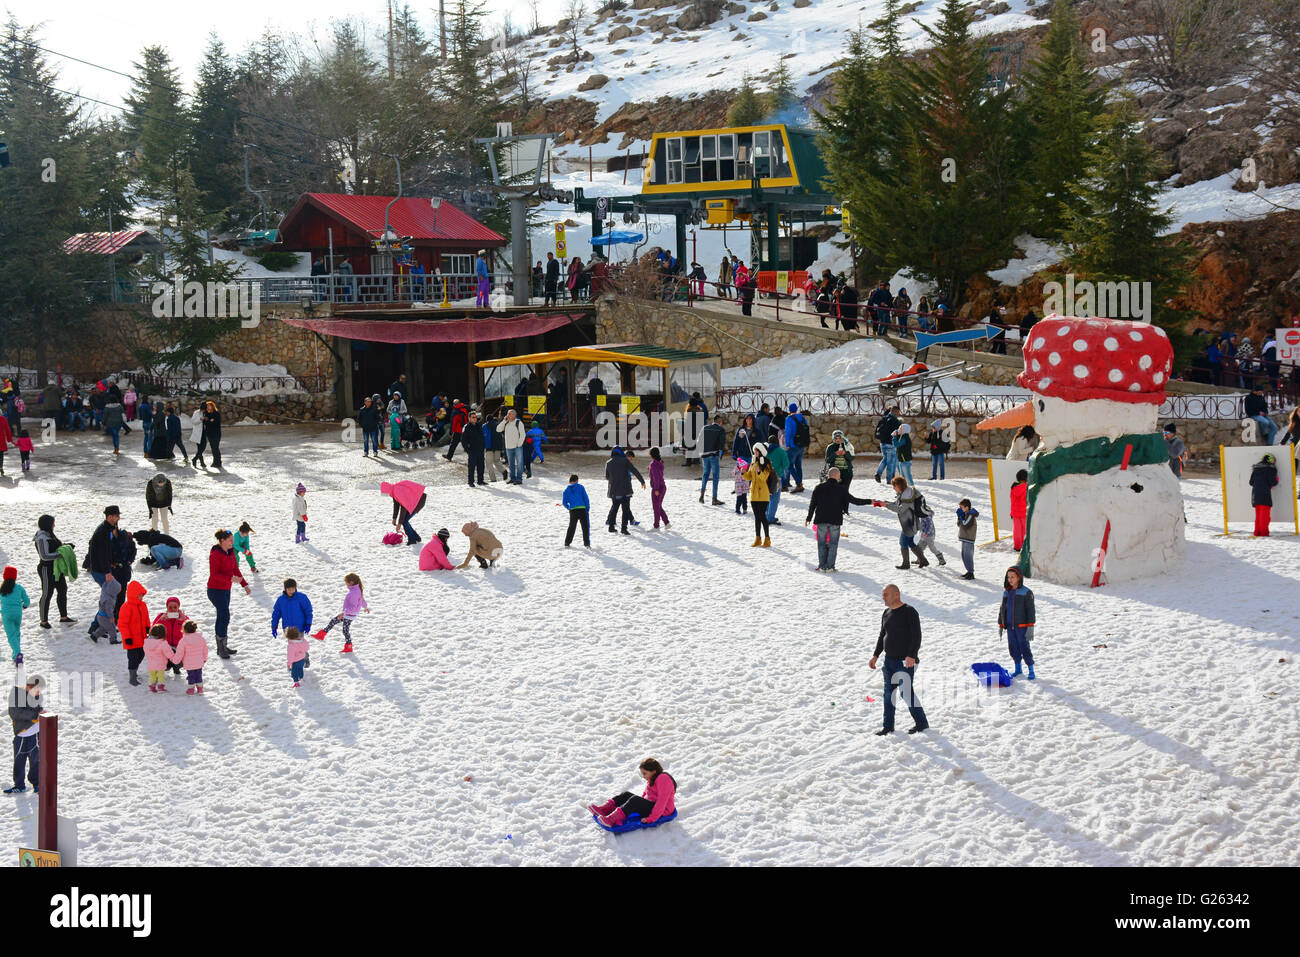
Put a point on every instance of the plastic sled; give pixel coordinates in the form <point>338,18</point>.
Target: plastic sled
<point>393,538</point>
<point>987,671</point>
<point>633,823</point>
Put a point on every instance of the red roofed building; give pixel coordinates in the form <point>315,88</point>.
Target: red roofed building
<point>130,241</point>
<point>445,239</point>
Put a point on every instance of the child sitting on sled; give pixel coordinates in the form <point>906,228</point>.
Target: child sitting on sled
<point>656,801</point>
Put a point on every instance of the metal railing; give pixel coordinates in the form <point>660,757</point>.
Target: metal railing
<point>360,288</point>
<point>746,400</point>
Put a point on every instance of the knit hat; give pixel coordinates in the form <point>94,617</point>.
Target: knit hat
<point>301,488</point>
<point>11,573</point>
<point>760,450</point>
<point>1116,359</point>
<point>794,406</point>
<point>444,534</point>
<point>903,429</point>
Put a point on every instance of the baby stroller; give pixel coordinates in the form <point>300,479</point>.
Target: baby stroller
<point>411,433</point>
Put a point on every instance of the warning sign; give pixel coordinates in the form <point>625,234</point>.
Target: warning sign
<point>31,857</point>
<point>561,250</point>
<point>1288,346</point>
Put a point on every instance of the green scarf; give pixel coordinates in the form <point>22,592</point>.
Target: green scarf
<point>1089,457</point>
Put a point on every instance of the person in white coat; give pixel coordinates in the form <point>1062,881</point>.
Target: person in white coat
<point>512,431</point>
<point>1023,445</point>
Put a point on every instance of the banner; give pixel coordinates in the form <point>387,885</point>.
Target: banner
<point>1235,464</point>
<point>1002,475</point>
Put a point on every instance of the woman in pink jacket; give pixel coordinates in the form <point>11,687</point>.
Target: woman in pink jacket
<point>157,656</point>
<point>656,801</point>
<point>193,654</point>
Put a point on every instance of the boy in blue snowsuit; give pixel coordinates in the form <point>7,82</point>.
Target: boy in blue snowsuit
<point>533,440</point>
<point>293,610</point>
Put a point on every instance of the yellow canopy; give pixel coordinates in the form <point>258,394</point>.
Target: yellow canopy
<point>578,354</point>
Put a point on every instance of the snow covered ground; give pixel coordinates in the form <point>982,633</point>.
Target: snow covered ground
<point>1163,729</point>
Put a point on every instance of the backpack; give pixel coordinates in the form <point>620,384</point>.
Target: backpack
<point>919,508</point>
<point>802,437</point>
<point>772,482</point>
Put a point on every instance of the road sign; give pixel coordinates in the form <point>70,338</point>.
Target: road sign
<point>602,207</point>
<point>31,857</point>
<point>1288,346</point>
<point>561,249</point>
<point>924,339</point>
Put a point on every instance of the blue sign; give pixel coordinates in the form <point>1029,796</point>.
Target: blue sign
<point>924,339</point>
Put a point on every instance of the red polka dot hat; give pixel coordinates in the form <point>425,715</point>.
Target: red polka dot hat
<point>1116,359</point>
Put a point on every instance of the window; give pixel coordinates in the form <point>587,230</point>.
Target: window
<point>457,263</point>
<point>717,158</point>
<point>691,147</point>
<point>727,156</point>
<point>674,148</point>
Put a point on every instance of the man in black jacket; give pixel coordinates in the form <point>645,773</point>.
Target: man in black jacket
<point>713,441</point>
<point>111,552</point>
<point>827,508</point>
<point>474,442</point>
<point>370,419</point>
<point>1257,409</point>
<point>900,640</point>
<point>552,281</point>
<point>885,430</point>
<point>618,474</point>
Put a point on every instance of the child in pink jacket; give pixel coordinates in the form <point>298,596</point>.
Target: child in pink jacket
<point>297,653</point>
<point>656,801</point>
<point>192,652</point>
<point>157,655</point>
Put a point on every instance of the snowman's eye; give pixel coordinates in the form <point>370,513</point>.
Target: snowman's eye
<point>1042,406</point>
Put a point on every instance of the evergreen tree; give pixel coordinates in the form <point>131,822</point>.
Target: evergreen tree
<point>187,340</point>
<point>782,95</point>
<point>956,212</point>
<point>1060,110</point>
<point>1114,223</point>
<point>746,109</point>
<point>215,159</point>
<point>157,121</point>
<point>44,294</point>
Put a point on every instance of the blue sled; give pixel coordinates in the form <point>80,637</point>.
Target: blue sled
<point>987,671</point>
<point>633,823</point>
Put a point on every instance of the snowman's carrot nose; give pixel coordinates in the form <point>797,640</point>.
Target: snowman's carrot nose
<point>1013,418</point>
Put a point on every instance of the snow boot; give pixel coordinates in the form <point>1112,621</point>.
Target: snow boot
<point>757,541</point>
<point>605,808</point>
<point>907,561</point>
<point>153,688</point>
<point>920,558</point>
<point>135,680</point>
<point>941,561</point>
<point>1019,670</point>
<point>717,501</point>
<point>614,818</point>
<point>190,690</point>
<point>320,635</point>
<point>1031,675</point>
<point>346,649</point>
<point>222,651</point>
<point>200,689</point>
<point>296,684</point>
<point>162,687</point>
<point>767,543</point>
<point>701,496</point>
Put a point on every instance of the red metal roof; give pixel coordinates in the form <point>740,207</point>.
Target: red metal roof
<point>410,216</point>
<point>106,243</point>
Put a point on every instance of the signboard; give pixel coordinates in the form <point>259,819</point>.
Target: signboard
<point>1288,346</point>
<point>602,207</point>
<point>1235,464</point>
<point>782,281</point>
<point>561,249</point>
<point>1002,475</point>
<point>31,857</point>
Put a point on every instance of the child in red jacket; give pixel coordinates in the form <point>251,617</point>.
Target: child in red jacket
<point>173,621</point>
<point>133,626</point>
<point>1019,508</point>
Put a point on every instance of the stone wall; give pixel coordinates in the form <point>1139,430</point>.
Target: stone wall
<point>741,340</point>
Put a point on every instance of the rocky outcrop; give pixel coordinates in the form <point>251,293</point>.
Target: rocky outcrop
<point>1212,153</point>
<point>594,82</point>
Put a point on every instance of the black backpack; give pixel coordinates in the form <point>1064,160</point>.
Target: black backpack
<point>919,508</point>
<point>802,437</point>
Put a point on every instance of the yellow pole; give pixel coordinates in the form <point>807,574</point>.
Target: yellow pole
<point>1223,479</point>
<point>993,498</point>
<point>445,303</point>
<point>1294,503</point>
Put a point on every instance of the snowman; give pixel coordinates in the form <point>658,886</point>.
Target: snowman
<point>1098,385</point>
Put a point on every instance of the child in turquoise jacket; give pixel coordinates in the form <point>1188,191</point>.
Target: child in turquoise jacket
<point>13,599</point>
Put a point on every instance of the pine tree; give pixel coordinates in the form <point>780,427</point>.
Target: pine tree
<point>956,213</point>
<point>157,121</point>
<point>215,159</point>
<point>188,339</point>
<point>1060,110</point>
<point>1115,225</point>
<point>44,296</point>
<point>746,109</point>
<point>782,95</point>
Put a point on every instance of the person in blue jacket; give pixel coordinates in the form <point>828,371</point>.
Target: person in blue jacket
<point>533,440</point>
<point>292,609</point>
<point>579,507</point>
<point>1016,616</point>
<point>481,272</point>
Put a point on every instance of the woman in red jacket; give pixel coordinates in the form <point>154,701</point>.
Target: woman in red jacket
<point>223,567</point>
